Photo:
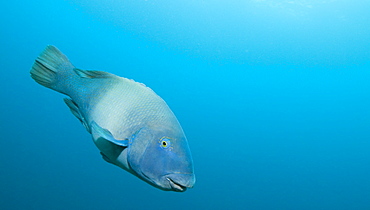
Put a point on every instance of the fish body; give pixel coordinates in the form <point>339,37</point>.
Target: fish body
<point>130,124</point>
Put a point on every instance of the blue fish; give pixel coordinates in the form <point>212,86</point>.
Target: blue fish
<point>130,124</point>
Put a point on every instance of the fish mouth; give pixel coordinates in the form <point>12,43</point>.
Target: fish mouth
<point>176,186</point>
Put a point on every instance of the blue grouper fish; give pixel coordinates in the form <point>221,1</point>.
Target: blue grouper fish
<point>130,124</point>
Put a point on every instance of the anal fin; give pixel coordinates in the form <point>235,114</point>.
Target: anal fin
<point>76,112</point>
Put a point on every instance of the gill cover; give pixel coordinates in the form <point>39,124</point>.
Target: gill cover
<point>162,160</point>
<point>137,147</point>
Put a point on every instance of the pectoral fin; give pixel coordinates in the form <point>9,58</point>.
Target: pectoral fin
<point>106,134</point>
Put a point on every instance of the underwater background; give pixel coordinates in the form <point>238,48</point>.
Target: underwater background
<point>273,95</point>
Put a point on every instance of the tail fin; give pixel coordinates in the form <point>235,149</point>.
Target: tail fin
<point>49,66</point>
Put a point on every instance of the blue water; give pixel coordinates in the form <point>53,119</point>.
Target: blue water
<point>273,95</point>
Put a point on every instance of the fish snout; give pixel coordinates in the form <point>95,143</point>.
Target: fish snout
<point>180,182</point>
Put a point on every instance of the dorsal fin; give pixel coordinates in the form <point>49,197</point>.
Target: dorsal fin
<point>92,74</point>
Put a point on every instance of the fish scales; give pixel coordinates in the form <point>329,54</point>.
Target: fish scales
<point>130,124</point>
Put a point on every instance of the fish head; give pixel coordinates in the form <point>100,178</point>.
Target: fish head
<point>162,158</point>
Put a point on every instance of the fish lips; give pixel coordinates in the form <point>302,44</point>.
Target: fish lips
<point>176,186</point>
<point>179,182</point>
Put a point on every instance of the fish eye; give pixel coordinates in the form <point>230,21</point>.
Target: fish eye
<point>165,142</point>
